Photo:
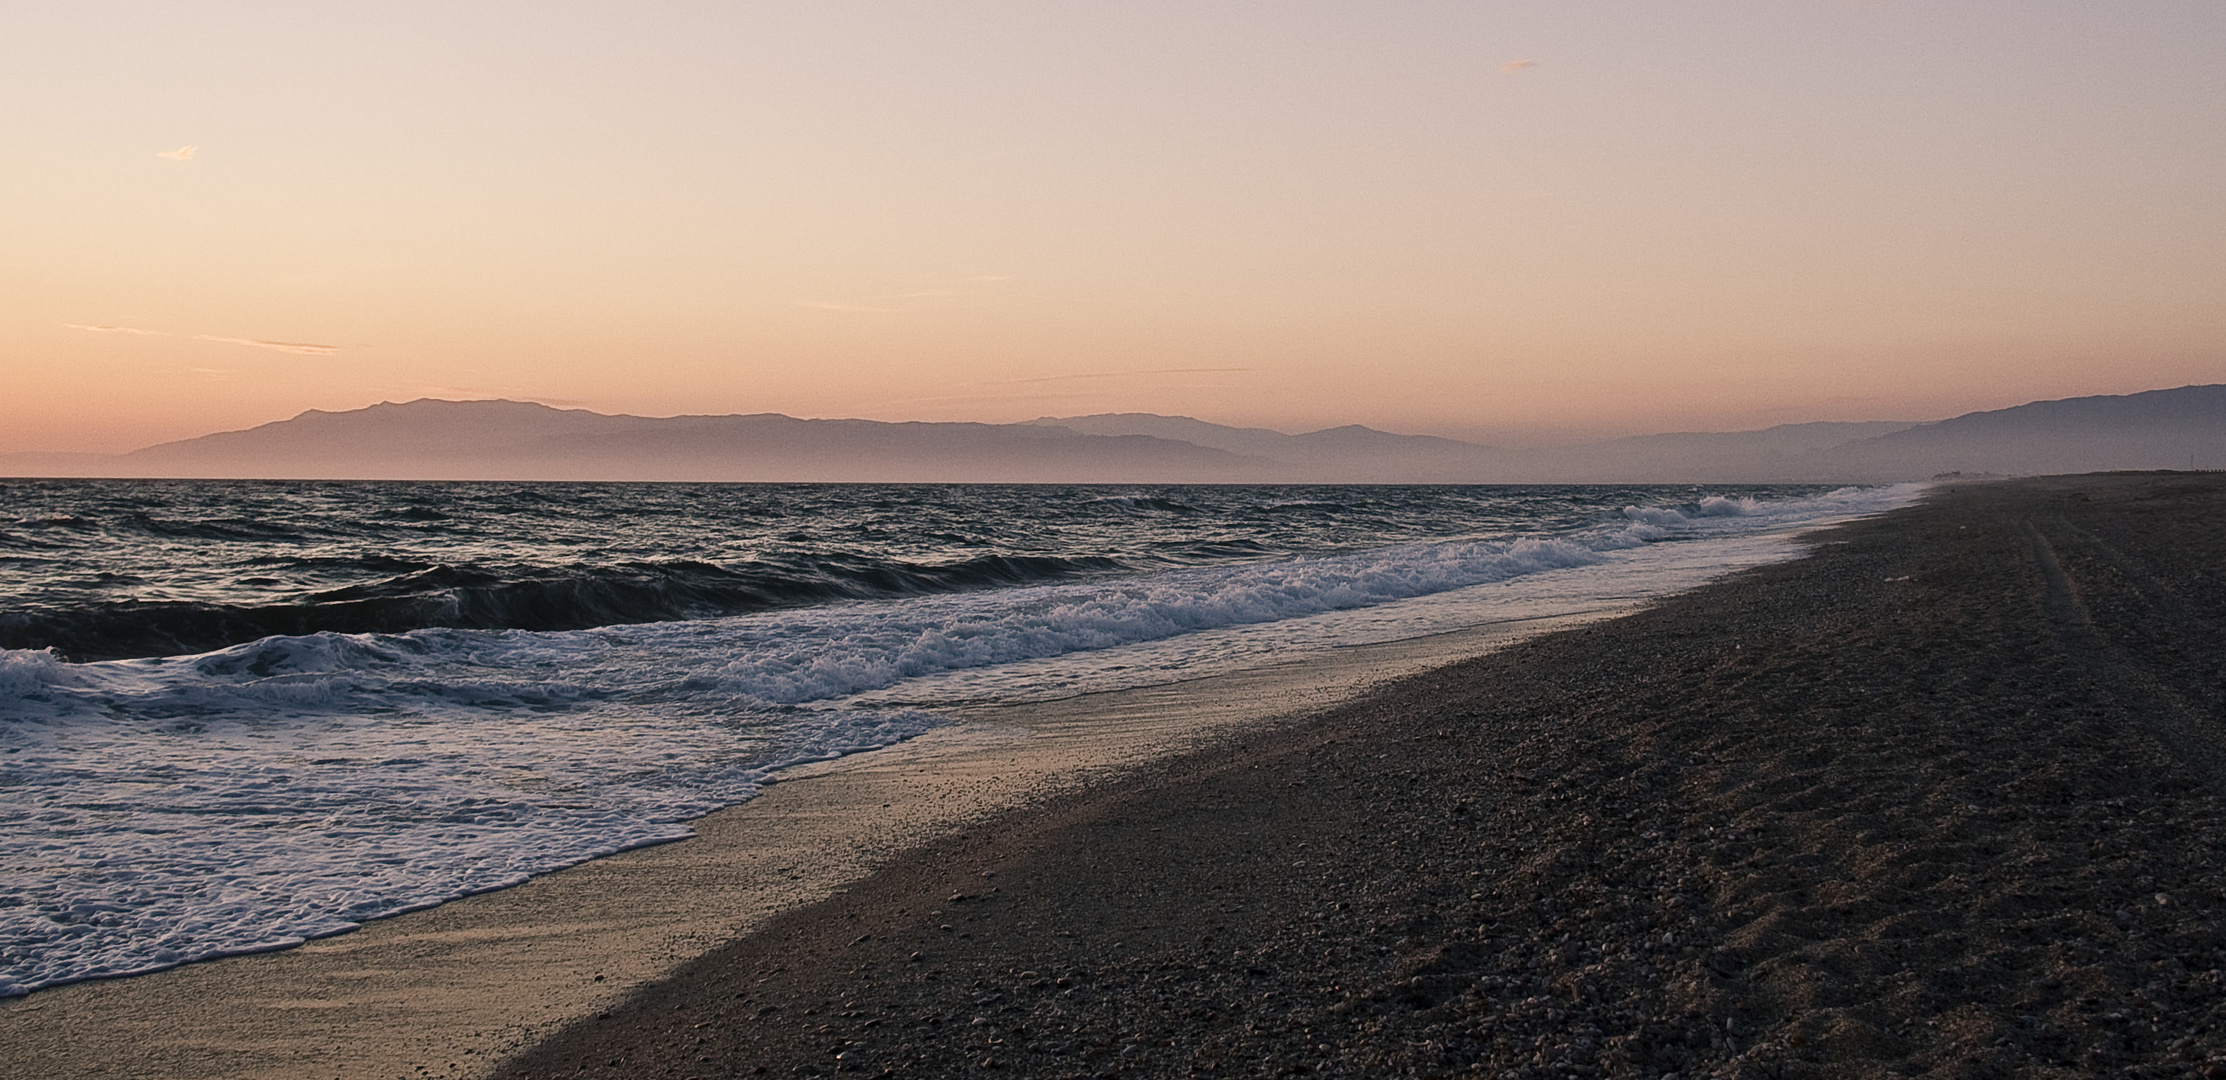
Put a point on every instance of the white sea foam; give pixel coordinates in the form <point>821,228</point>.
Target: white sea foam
<point>158,811</point>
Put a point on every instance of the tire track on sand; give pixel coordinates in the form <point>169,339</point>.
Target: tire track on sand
<point>2188,731</point>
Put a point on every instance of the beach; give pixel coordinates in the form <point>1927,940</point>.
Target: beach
<point>1938,798</point>
<point>1941,799</point>
<point>452,990</point>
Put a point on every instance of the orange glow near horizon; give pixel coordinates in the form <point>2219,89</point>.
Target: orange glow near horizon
<point>1511,223</point>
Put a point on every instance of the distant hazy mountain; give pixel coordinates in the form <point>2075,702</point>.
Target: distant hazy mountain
<point>1344,455</point>
<point>430,439</point>
<point>1261,442</point>
<point>1773,454</point>
<point>513,440</point>
<point>1356,454</point>
<point>2160,429</point>
<point>56,463</point>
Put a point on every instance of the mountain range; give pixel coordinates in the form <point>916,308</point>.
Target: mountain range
<point>511,440</point>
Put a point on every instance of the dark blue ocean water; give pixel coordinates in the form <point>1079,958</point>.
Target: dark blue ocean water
<point>104,569</point>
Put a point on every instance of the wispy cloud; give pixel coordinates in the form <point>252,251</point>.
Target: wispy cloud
<point>183,153</point>
<point>1513,66</point>
<point>1120,374</point>
<point>297,348</point>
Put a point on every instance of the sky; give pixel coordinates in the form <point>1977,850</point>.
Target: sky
<point>1518,223</point>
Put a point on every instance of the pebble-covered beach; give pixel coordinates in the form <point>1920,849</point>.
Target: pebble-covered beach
<point>1944,798</point>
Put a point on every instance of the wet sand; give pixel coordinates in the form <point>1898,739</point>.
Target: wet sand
<point>1943,799</point>
<point>449,991</point>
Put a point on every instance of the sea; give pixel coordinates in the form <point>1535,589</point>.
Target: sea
<point>235,716</point>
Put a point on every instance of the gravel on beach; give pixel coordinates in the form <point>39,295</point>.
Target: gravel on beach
<point>1946,797</point>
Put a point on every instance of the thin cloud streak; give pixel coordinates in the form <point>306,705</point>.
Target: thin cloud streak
<point>297,348</point>
<point>1513,66</point>
<point>183,153</point>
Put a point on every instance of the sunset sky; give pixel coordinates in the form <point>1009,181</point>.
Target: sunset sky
<point>1510,222</point>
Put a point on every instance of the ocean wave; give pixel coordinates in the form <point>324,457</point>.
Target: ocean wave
<point>787,658</point>
<point>1712,506</point>
<point>157,569</point>
<point>27,673</point>
<point>240,529</point>
<point>1146,502</point>
<point>70,522</point>
<point>799,655</point>
<point>527,598</point>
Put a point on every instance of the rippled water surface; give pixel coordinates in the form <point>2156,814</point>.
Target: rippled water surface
<point>105,570</point>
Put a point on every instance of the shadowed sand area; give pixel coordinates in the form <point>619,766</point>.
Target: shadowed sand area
<point>1941,798</point>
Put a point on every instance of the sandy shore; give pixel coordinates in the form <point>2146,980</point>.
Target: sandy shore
<point>1943,799</point>
<point>450,991</point>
